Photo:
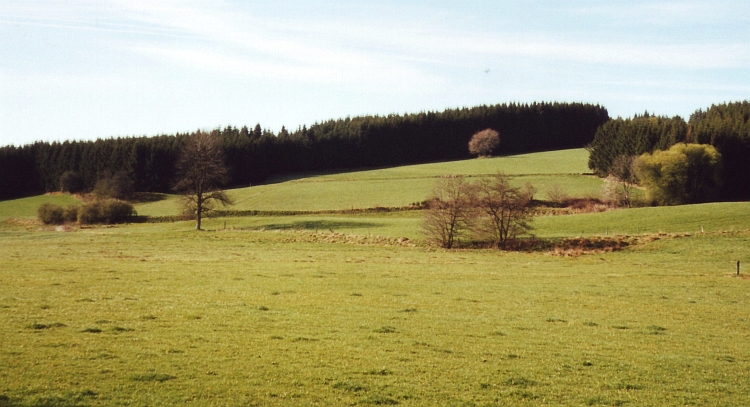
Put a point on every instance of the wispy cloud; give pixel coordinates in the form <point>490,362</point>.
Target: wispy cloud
<point>668,13</point>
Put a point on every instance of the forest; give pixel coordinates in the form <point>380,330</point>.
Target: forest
<point>254,155</point>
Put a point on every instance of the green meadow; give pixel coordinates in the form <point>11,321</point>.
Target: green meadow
<point>356,309</point>
<point>402,186</point>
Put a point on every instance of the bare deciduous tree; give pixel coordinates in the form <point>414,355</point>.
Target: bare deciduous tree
<point>201,173</point>
<point>504,211</point>
<point>484,142</point>
<point>621,181</point>
<point>449,211</point>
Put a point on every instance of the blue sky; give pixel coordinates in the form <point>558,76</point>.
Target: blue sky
<point>86,69</point>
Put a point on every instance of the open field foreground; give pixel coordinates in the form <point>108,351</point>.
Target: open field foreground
<point>160,315</point>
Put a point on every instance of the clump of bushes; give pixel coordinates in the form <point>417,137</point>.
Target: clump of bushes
<point>50,214</point>
<point>70,213</point>
<point>106,211</point>
<point>684,174</point>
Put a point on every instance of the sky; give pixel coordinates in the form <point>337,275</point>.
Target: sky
<point>87,69</point>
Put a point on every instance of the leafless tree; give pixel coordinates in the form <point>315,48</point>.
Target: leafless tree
<point>557,194</point>
<point>201,173</point>
<point>504,211</point>
<point>484,142</point>
<point>621,181</point>
<point>449,211</point>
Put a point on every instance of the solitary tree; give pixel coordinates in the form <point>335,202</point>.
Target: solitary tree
<point>484,142</point>
<point>449,211</point>
<point>504,210</point>
<point>201,173</point>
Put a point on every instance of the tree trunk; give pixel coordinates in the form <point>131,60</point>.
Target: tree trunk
<point>198,212</point>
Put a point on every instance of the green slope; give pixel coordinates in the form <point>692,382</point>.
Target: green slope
<point>27,207</point>
<point>401,186</point>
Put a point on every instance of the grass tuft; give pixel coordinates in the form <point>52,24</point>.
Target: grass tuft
<point>379,372</point>
<point>519,381</point>
<point>151,377</point>
<point>656,330</point>
<point>304,339</point>
<point>92,330</point>
<point>349,386</point>
<point>121,329</point>
<point>39,326</point>
<point>379,400</point>
<point>387,329</point>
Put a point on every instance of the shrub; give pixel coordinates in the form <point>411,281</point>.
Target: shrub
<point>106,211</point>
<point>503,211</point>
<point>484,142</point>
<point>114,211</point>
<point>686,173</point>
<point>70,213</point>
<point>449,211</point>
<point>89,213</point>
<point>558,195</point>
<point>50,214</point>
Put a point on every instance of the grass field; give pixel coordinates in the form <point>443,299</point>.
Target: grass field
<point>157,315</point>
<point>277,310</point>
<point>402,186</point>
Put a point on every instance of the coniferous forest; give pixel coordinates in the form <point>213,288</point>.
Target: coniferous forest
<point>254,155</point>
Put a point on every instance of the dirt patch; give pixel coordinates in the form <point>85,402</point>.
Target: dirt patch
<point>311,237</point>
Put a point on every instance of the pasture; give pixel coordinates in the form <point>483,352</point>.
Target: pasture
<point>340,309</point>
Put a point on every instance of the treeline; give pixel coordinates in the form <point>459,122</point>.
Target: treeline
<point>725,126</point>
<point>253,155</point>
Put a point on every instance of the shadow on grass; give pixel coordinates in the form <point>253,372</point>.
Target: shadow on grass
<point>331,225</point>
<point>563,246</point>
<point>144,197</point>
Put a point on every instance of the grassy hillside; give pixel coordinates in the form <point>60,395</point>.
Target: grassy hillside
<point>27,207</point>
<point>401,186</point>
<point>391,187</point>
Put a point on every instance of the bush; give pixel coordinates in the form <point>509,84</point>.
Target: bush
<point>106,211</point>
<point>484,142</point>
<point>115,211</point>
<point>558,195</point>
<point>686,173</point>
<point>448,213</point>
<point>50,214</point>
<point>70,213</point>
<point>89,213</point>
